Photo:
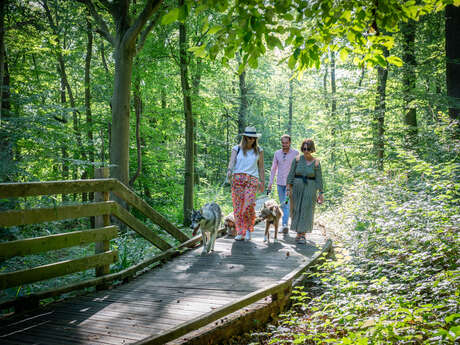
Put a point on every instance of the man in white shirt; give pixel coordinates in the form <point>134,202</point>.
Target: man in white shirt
<point>282,164</point>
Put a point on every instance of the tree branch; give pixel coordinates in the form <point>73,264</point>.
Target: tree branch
<point>151,7</point>
<point>103,30</point>
<point>145,33</point>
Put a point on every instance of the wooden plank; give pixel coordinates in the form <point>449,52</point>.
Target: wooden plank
<point>55,269</point>
<point>128,272</point>
<point>52,242</point>
<point>140,228</point>
<point>129,196</point>
<point>40,215</point>
<point>16,190</point>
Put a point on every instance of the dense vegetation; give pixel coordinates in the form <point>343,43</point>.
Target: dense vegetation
<point>369,84</point>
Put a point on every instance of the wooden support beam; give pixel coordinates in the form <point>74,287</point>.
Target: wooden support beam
<point>52,242</point>
<point>131,198</point>
<point>40,215</point>
<point>140,228</point>
<point>57,269</point>
<point>16,190</point>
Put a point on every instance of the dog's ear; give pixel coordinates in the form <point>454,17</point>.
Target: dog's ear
<point>273,211</point>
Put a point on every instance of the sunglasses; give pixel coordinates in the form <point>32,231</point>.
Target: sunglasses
<point>305,149</point>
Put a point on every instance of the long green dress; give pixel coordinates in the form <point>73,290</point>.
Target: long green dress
<point>304,193</point>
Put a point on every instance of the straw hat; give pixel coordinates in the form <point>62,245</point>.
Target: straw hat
<point>251,132</point>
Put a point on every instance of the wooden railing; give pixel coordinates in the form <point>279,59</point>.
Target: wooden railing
<point>102,209</point>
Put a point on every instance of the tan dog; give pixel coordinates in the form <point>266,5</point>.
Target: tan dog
<point>272,214</point>
<point>229,224</point>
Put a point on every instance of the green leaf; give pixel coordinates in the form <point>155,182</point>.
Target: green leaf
<point>273,41</point>
<point>343,54</point>
<point>292,61</point>
<point>170,17</point>
<point>394,60</point>
<point>215,29</point>
<point>198,51</point>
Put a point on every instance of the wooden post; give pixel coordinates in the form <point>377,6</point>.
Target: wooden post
<point>101,221</point>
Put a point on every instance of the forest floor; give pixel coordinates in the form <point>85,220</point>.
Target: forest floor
<point>394,278</point>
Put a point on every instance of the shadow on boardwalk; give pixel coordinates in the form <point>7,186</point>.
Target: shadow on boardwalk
<point>186,287</point>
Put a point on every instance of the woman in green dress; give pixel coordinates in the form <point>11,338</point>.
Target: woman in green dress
<point>305,189</point>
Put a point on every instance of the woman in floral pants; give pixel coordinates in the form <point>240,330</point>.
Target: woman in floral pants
<point>247,167</point>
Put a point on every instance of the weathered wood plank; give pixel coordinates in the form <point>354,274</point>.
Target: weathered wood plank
<point>207,318</point>
<point>52,242</point>
<point>16,190</point>
<point>40,215</point>
<point>129,196</point>
<point>140,228</point>
<point>55,269</point>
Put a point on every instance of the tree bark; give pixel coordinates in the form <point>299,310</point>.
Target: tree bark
<point>138,111</point>
<point>453,61</point>
<point>291,99</point>
<point>379,114</point>
<point>333,109</point>
<point>189,145</point>
<point>409,78</point>
<point>243,109</point>
<point>6,142</point>
<point>89,172</point>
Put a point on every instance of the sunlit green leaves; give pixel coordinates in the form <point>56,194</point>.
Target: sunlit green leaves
<point>171,16</point>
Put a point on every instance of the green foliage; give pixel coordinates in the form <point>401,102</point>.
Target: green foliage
<point>395,276</point>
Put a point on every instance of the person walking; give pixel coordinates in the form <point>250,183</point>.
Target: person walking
<point>246,171</point>
<point>305,189</point>
<point>281,164</point>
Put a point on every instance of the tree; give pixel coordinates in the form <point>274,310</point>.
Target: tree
<point>408,31</point>
<point>453,60</point>
<point>128,40</point>
<point>189,137</point>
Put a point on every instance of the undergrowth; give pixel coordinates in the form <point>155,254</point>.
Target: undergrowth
<point>395,276</point>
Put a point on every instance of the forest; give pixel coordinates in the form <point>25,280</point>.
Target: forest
<point>160,91</point>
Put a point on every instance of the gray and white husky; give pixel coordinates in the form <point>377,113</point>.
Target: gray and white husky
<point>207,219</point>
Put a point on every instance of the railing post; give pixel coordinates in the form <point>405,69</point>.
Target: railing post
<point>101,221</point>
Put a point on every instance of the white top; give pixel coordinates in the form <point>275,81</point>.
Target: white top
<point>246,164</point>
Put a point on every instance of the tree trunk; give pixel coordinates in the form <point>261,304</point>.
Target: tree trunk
<point>119,143</point>
<point>333,109</point>
<point>453,61</point>
<point>89,117</point>
<point>196,81</point>
<point>6,143</point>
<point>242,112</point>
<point>291,99</point>
<point>186,93</point>
<point>409,78</point>
<point>379,114</point>
<point>138,111</point>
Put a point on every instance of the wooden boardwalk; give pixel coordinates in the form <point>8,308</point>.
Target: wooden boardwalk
<point>183,289</point>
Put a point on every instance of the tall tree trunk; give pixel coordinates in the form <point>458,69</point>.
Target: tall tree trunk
<point>138,111</point>
<point>196,81</point>
<point>243,109</point>
<point>333,109</point>
<point>379,114</point>
<point>453,61</point>
<point>2,53</point>
<point>119,148</point>
<point>409,78</point>
<point>6,140</point>
<point>89,172</point>
<point>291,100</point>
<point>66,84</point>
<point>186,93</point>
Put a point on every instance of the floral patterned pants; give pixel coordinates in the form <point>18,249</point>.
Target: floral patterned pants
<point>244,189</point>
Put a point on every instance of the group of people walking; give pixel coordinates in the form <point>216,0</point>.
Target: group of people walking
<point>299,181</point>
